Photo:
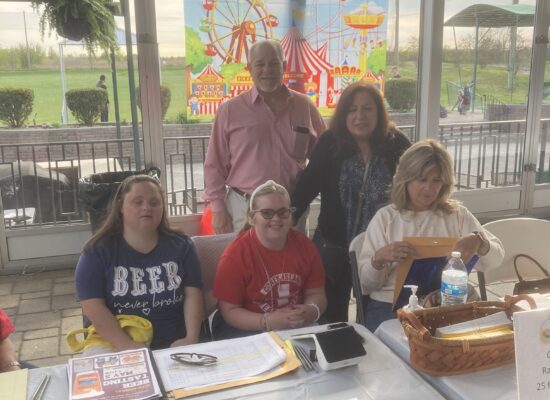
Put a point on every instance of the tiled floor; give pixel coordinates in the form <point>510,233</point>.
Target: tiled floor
<point>44,309</point>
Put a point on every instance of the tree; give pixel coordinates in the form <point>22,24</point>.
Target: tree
<point>229,71</point>
<point>377,59</point>
<point>194,51</point>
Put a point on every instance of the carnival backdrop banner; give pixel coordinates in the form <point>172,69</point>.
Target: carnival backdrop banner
<point>327,44</point>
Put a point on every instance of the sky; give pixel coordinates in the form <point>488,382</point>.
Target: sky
<point>170,22</point>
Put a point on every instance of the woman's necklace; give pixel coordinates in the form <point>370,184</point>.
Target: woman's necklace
<point>419,219</point>
<point>268,276</point>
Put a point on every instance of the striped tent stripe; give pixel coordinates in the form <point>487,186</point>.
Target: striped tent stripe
<point>300,57</point>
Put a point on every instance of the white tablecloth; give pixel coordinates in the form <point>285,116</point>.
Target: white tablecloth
<point>381,375</point>
<point>497,383</point>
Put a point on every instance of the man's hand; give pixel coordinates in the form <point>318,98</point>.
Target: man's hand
<point>221,222</point>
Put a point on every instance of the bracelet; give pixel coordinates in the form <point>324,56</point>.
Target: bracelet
<point>265,322</point>
<point>484,245</point>
<point>316,309</point>
<point>10,365</point>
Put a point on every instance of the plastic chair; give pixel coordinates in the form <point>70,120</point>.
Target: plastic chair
<point>209,250</point>
<point>518,236</point>
<point>354,249</point>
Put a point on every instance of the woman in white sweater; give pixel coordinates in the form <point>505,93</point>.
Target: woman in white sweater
<point>421,206</point>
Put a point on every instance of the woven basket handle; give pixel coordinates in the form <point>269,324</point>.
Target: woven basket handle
<point>509,301</point>
<point>410,317</point>
<point>533,261</point>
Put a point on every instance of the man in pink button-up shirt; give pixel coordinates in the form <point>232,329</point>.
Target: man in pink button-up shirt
<point>265,133</point>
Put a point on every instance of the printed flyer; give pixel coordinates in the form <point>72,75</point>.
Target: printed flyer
<point>114,376</point>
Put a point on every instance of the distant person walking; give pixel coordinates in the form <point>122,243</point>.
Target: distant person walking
<point>102,85</point>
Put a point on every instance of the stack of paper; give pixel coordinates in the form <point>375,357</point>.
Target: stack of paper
<point>489,326</point>
<point>13,385</point>
<point>237,359</point>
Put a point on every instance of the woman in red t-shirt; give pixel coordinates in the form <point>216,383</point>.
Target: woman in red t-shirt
<point>8,359</point>
<point>271,276</point>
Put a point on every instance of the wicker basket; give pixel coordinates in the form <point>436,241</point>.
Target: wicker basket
<point>441,357</point>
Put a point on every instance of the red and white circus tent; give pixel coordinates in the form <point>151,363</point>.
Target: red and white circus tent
<point>210,90</point>
<point>322,51</point>
<point>305,65</point>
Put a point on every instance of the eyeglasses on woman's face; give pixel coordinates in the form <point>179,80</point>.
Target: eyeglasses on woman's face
<point>269,213</point>
<point>194,358</point>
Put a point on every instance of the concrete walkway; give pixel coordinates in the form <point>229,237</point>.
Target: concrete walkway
<point>44,309</point>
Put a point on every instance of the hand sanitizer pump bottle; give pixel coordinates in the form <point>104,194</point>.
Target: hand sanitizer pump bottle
<point>413,300</point>
<point>454,281</point>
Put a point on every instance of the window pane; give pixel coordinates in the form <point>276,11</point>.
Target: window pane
<point>543,159</point>
<point>402,63</point>
<point>484,88</point>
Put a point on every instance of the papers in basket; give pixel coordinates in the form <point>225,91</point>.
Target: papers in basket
<point>489,326</point>
<point>124,375</point>
<point>237,359</point>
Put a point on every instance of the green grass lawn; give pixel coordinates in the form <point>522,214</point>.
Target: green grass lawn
<point>491,81</point>
<point>47,88</point>
<point>47,91</point>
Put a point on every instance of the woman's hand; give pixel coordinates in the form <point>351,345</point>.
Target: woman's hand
<point>393,252</point>
<point>183,342</point>
<point>295,316</point>
<point>467,245</point>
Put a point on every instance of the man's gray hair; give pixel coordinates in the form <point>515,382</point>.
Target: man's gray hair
<point>273,43</point>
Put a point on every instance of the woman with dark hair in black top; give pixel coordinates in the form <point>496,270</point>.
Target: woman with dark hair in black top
<point>352,168</point>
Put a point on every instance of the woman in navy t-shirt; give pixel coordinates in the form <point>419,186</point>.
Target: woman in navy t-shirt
<point>136,265</point>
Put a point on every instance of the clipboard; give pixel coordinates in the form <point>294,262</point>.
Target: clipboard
<point>290,364</point>
<point>426,266</point>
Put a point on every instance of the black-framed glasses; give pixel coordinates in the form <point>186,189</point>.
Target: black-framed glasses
<point>269,213</point>
<point>194,358</point>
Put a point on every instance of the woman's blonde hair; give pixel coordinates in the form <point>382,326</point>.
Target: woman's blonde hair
<point>264,189</point>
<point>113,226</point>
<point>414,162</point>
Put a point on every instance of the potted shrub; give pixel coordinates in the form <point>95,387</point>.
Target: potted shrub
<point>88,20</point>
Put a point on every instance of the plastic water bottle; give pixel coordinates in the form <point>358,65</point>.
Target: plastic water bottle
<point>454,281</point>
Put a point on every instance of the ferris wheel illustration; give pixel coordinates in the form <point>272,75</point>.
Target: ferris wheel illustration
<point>233,26</point>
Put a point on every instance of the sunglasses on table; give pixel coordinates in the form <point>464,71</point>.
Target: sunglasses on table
<point>269,213</point>
<point>194,358</point>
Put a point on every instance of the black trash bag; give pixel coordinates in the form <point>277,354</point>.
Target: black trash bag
<point>96,191</point>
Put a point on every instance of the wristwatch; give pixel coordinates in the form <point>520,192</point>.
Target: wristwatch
<point>484,245</point>
<point>9,365</point>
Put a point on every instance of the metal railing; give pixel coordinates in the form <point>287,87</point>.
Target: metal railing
<point>39,181</point>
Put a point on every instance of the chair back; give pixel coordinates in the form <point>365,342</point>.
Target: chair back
<point>354,249</point>
<point>518,236</point>
<point>209,250</point>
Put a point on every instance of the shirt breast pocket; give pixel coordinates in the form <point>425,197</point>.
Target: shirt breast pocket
<point>300,142</point>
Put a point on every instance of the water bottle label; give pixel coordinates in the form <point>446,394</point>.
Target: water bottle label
<point>453,290</point>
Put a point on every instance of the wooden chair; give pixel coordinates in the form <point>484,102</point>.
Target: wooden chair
<point>518,236</point>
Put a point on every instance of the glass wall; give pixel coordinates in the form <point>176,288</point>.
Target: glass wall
<point>542,164</point>
<point>484,89</point>
<point>402,63</point>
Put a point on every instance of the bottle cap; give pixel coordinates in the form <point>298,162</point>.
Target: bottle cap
<point>455,254</point>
